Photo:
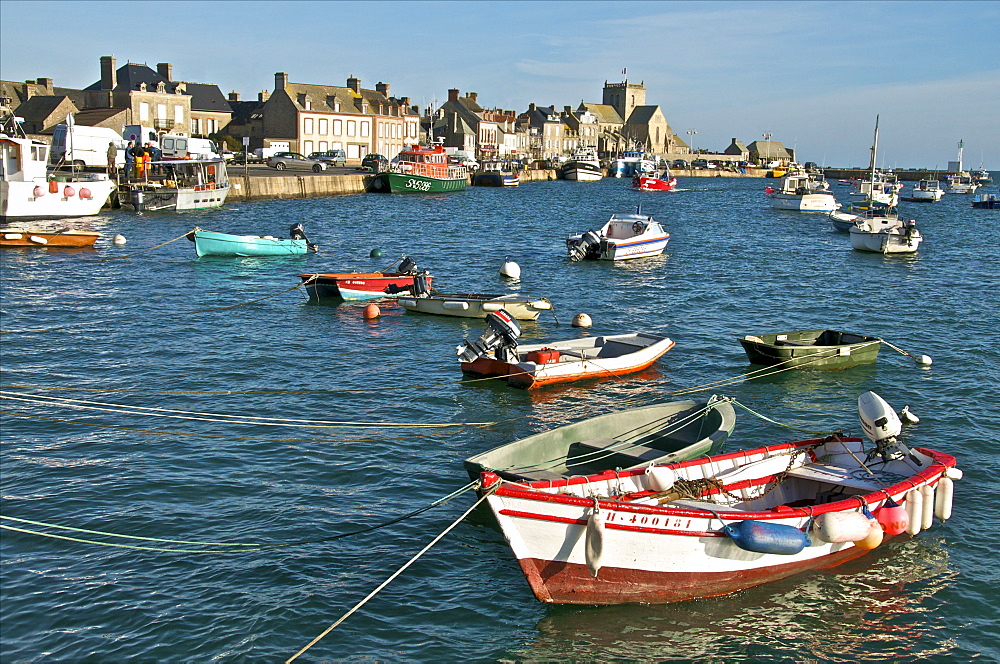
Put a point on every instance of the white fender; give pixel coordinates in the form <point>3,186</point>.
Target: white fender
<point>927,519</point>
<point>914,510</point>
<point>953,473</point>
<point>660,478</point>
<point>835,527</point>
<point>944,495</point>
<point>594,545</point>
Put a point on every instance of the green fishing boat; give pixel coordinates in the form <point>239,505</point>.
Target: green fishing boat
<point>421,170</point>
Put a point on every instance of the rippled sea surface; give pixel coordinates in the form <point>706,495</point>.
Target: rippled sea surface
<point>132,386</point>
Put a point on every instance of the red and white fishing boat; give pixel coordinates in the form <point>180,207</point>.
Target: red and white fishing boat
<point>496,353</point>
<point>716,525</point>
<point>652,182</point>
<point>366,285</point>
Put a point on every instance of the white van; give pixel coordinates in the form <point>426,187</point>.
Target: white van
<point>141,135</point>
<point>82,147</point>
<point>173,146</point>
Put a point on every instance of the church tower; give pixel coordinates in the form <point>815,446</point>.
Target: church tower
<point>624,97</point>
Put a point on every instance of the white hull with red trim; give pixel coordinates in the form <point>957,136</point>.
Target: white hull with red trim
<point>678,550</point>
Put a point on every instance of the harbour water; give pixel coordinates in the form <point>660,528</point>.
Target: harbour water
<point>132,386</point>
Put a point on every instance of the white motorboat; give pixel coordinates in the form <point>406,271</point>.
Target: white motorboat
<point>925,191</point>
<point>184,184</point>
<point>583,166</point>
<point>881,187</point>
<point>28,191</point>
<point>961,181</point>
<point>630,235</point>
<point>720,524</point>
<point>885,235</point>
<point>476,305</point>
<point>799,191</point>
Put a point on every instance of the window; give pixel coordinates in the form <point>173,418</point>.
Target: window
<point>323,145</point>
<point>338,127</point>
<point>143,111</point>
<point>195,125</point>
<point>178,115</point>
<point>381,130</point>
<point>351,127</point>
<point>161,111</point>
<point>307,147</point>
<point>324,126</point>
<point>366,127</point>
<point>307,126</point>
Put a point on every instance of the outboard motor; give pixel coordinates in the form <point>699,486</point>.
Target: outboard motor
<point>138,200</point>
<point>500,336</point>
<point>589,243</point>
<point>296,232</point>
<point>407,265</point>
<point>420,286</point>
<point>881,425</point>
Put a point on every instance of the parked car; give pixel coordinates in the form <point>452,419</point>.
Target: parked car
<point>679,163</point>
<point>699,163</point>
<point>469,163</point>
<point>294,160</point>
<point>331,157</point>
<point>375,163</point>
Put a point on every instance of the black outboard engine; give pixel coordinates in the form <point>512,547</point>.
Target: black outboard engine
<point>407,266</point>
<point>500,336</point>
<point>420,286</point>
<point>589,243</point>
<point>296,232</point>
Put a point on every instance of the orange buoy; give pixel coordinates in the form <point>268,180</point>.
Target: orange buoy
<point>892,517</point>
<point>53,187</point>
<point>372,311</point>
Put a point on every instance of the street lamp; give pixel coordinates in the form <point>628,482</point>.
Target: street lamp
<point>691,134</point>
<point>767,147</point>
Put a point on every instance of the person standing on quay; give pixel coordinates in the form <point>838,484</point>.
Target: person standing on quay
<point>112,159</point>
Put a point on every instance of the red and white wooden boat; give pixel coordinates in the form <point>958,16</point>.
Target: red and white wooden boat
<point>654,182</point>
<point>41,235</point>
<point>496,353</point>
<point>366,285</point>
<point>716,525</point>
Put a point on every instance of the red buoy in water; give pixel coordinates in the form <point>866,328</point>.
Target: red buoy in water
<point>892,517</point>
<point>372,311</point>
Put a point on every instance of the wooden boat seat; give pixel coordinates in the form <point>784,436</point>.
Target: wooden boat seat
<point>789,342</point>
<point>623,455</point>
<point>838,475</point>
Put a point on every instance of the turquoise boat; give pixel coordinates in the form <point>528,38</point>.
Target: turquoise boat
<point>208,243</point>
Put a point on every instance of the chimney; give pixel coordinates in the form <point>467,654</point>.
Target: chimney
<point>532,107</point>
<point>354,84</point>
<point>234,96</point>
<point>474,96</point>
<point>382,88</point>
<point>45,83</point>
<point>109,73</point>
<point>263,96</point>
<point>453,94</point>
<point>404,102</point>
<point>280,81</point>
<point>166,70</point>
<point>569,110</point>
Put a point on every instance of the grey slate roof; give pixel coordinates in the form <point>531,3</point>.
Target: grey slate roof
<point>38,109</point>
<point>204,96</point>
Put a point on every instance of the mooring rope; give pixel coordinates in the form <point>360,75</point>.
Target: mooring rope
<point>221,417</point>
<point>782,424</point>
<point>395,574</point>
<point>239,547</point>
<point>163,244</point>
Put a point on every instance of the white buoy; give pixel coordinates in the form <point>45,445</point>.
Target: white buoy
<point>925,360</point>
<point>836,527</point>
<point>582,320</point>
<point>119,239</point>
<point>594,546</point>
<point>510,269</point>
<point>906,416</point>
<point>660,478</point>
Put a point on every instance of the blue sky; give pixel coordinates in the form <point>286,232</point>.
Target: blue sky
<point>812,74</point>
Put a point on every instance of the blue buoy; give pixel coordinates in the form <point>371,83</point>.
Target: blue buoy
<point>375,253</point>
<point>764,537</point>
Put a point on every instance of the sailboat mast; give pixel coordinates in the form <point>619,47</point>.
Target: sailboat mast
<point>874,151</point>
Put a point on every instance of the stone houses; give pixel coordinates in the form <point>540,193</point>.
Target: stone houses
<point>645,126</point>
<point>487,133</point>
<point>317,118</point>
<point>130,94</point>
<point>764,152</point>
<point>739,149</point>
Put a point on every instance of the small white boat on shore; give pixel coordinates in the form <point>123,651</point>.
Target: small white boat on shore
<point>624,236</point>
<point>720,524</point>
<point>476,305</point>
